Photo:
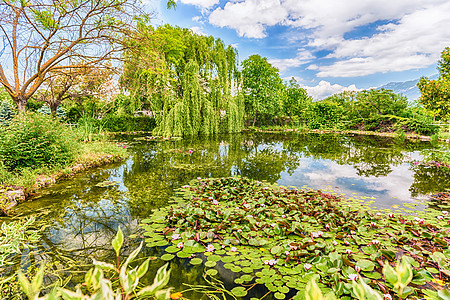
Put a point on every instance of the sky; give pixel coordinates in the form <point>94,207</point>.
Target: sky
<point>328,46</point>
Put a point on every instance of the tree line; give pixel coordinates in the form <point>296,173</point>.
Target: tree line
<point>101,58</point>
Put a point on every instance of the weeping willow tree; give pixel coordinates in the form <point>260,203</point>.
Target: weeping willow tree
<point>187,80</point>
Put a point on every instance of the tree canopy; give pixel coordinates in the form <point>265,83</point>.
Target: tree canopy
<point>186,79</point>
<point>48,36</point>
<point>263,89</point>
<point>435,94</point>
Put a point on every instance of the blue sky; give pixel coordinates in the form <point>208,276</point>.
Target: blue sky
<point>327,45</point>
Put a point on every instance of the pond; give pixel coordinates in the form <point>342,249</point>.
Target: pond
<point>80,216</point>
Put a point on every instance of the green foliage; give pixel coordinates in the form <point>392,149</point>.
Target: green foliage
<point>45,110</point>
<point>296,101</point>
<point>325,114</point>
<point>127,123</point>
<point>185,79</point>
<point>33,140</point>
<point>372,110</point>
<point>435,94</point>
<point>6,113</point>
<point>263,89</point>
<point>444,63</point>
<point>14,236</point>
<point>96,286</point>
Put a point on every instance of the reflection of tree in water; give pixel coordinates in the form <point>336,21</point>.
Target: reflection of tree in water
<point>370,155</point>
<point>430,179</point>
<point>159,168</point>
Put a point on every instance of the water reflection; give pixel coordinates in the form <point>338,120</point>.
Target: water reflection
<point>82,218</point>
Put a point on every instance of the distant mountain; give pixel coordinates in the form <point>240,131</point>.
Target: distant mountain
<point>407,88</point>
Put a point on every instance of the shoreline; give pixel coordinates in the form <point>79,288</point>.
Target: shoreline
<point>12,195</point>
<point>360,132</point>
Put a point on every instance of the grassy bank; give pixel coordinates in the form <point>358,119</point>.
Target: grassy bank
<point>91,154</point>
<point>37,150</point>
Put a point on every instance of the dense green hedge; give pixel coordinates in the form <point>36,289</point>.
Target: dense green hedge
<point>126,123</point>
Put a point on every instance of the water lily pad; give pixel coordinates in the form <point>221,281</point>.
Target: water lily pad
<point>239,291</point>
<point>210,264</point>
<point>196,261</point>
<point>167,257</point>
<point>211,272</point>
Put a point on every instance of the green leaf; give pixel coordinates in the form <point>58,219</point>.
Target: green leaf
<point>312,291</point>
<point>365,265</point>
<point>390,274</point>
<point>444,294</point>
<point>167,257</point>
<point>118,241</point>
<point>239,291</point>
<point>196,261</point>
<point>143,268</point>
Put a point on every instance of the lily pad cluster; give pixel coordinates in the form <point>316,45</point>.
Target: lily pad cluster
<point>280,238</point>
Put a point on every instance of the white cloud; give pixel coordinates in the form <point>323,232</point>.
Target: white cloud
<point>250,17</point>
<point>325,89</point>
<point>415,33</point>
<point>283,64</point>
<point>198,30</point>
<point>201,3</point>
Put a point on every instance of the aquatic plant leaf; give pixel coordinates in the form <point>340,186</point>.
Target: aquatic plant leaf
<point>118,241</point>
<point>239,291</point>
<point>196,261</point>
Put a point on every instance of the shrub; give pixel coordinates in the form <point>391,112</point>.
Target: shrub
<point>127,123</point>
<point>421,126</point>
<point>33,140</point>
<point>6,113</point>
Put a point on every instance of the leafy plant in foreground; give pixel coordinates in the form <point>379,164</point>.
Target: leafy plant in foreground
<point>96,286</point>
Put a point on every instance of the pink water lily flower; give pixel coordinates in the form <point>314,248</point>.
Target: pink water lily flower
<point>180,245</point>
<point>270,262</point>
<point>190,151</point>
<point>440,217</point>
<point>307,266</point>
<point>375,242</point>
<point>215,202</point>
<point>358,269</point>
<point>416,162</point>
<point>233,249</point>
<point>287,253</point>
<point>348,251</point>
<point>445,213</point>
<point>335,243</point>
<point>185,186</point>
<point>210,248</point>
<point>387,296</point>
<point>247,206</point>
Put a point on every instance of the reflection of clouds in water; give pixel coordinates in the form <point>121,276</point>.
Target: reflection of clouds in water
<point>321,174</point>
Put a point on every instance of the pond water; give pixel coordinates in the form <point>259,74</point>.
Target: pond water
<point>80,216</point>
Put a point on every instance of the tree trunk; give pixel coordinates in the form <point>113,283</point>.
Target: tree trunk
<point>53,108</point>
<point>21,103</point>
<point>254,119</point>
